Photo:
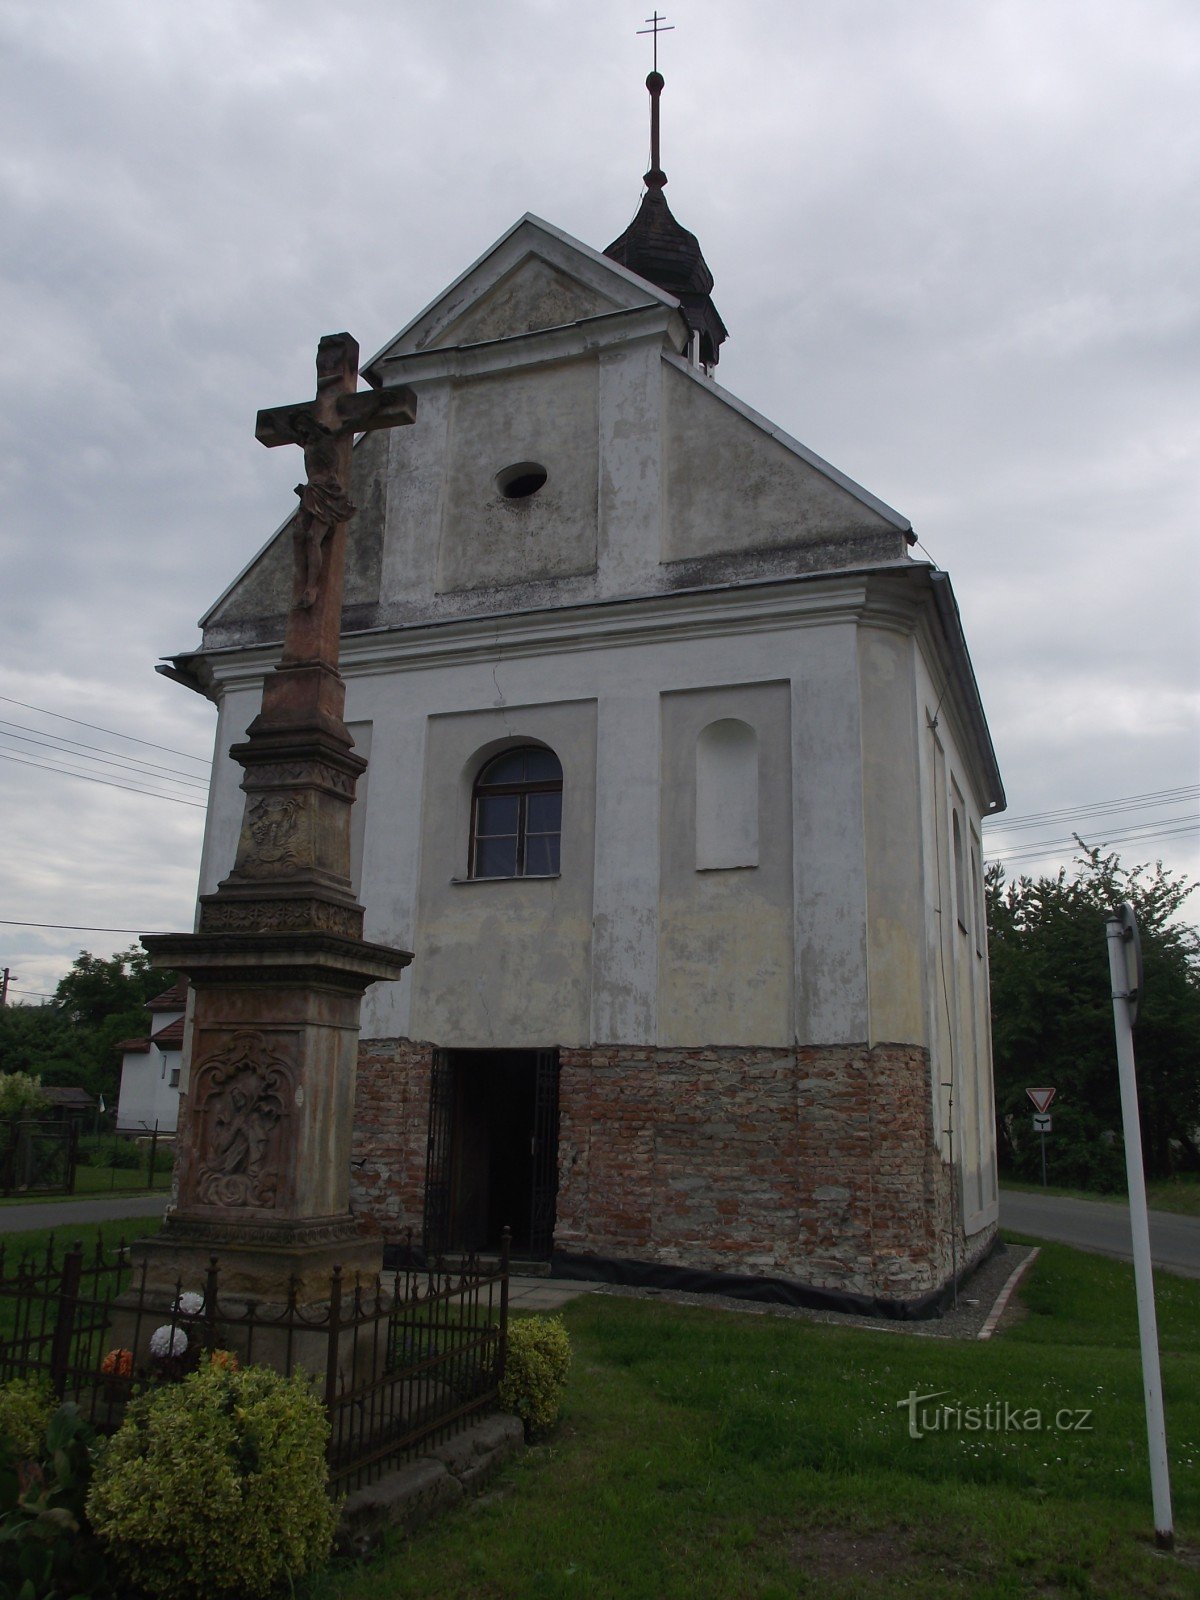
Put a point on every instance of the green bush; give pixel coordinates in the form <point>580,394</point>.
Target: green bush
<point>535,1371</point>
<point>25,1409</point>
<point>46,1552</point>
<point>216,1486</point>
<point>20,1094</point>
<point>103,1150</point>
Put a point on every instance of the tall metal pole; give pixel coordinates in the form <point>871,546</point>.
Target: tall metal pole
<point>1143,1272</point>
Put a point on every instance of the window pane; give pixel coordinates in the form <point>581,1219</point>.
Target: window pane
<point>496,858</point>
<point>544,812</point>
<point>541,853</point>
<point>507,768</point>
<point>541,765</point>
<point>496,813</point>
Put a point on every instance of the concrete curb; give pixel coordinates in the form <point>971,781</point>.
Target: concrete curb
<point>425,1487</point>
<point>1006,1294</point>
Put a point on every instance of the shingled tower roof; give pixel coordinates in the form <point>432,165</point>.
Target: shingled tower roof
<point>657,248</point>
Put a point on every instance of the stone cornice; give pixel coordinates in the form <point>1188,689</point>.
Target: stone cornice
<point>906,596</point>
<point>654,619</point>
<point>564,342</point>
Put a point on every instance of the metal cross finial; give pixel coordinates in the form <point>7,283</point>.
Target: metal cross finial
<point>655,29</point>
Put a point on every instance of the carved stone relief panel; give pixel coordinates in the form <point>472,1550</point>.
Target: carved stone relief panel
<point>275,836</point>
<point>243,1097</point>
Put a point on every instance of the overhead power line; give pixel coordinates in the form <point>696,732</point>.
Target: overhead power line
<point>75,927</point>
<point>1095,808</point>
<point>129,764</point>
<point>89,777</point>
<point>1170,828</point>
<point>96,728</point>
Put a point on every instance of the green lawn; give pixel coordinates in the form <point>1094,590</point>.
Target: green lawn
<point>93,1181</point>
<point>1180,1195</point>
<point>121,1180</point>
<point>708,1453</point>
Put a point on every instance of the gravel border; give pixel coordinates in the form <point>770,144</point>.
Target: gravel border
<point>977,1297</point>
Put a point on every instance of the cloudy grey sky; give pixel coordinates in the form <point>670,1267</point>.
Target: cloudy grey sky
<point>956,246</point>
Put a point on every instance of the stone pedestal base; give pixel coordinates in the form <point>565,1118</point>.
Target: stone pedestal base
<point>260,1262</point>
<point>264,1175</point>
<point>274,1289</point>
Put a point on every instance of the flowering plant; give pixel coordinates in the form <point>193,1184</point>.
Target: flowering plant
<point>117,1364</point>
<point>168,1341</point>
<point>223,1360</point>
<point>190,1304</point>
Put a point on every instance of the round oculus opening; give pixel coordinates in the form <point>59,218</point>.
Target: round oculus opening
<point>521,480</point>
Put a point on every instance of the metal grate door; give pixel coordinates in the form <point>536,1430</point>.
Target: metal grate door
<point>438,1155</point>
<point>545,1153</point>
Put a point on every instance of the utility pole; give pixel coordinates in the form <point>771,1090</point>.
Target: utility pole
<point>4,989</point>
<point>1125,971</point>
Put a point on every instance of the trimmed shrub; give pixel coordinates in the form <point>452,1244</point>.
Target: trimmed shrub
<point>25,1408</point>
<point>216,1486</point>
<point>535,1372</point>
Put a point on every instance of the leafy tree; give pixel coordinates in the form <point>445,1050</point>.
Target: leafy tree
<point>95,989</point>
<point>1052,1019</point>
<point>20,1094</point>
<point>72,1041</point>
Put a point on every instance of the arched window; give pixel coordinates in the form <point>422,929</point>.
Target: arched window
<point>516,815</point>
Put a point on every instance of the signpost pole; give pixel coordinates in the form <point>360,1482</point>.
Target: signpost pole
<point>1123,992</point>
<point>1041,1098</point>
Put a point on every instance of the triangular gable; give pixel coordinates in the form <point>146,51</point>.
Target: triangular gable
<point>771,492</point>
<point>263,588</point>
<point>531,273</point>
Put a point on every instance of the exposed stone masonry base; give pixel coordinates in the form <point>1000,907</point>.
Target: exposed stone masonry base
<point>391,1132</point>
<point>817,1164</point>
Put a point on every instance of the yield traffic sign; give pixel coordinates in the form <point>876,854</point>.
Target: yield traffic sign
<point>1041,1097</point>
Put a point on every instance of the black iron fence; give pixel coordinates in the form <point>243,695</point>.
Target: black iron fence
<point>124,1159</point>
<point>36,1156</point>
<point>401,1363</point>
<point>39,1156</point>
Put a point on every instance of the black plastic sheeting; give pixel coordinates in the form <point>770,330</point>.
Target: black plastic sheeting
<point>772,1291</point>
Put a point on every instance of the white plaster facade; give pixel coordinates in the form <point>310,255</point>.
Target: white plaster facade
<point>151,1075</point>
<point>763,707</point>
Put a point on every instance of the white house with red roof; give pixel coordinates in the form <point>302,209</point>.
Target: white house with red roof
<point>150,1067</point>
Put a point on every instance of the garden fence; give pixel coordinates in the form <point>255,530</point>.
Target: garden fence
<point>37,1156</point>
<point>42,1156</point>
<point>401,1362</point>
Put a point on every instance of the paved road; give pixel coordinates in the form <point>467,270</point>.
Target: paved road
<point>1103,1228</point>
<point>64,1215</point>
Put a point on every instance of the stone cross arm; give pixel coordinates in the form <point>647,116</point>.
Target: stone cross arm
<point>354,413</point>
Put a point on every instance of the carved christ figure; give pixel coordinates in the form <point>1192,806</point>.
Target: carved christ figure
<point>324,427</point>
<point>323,502</point>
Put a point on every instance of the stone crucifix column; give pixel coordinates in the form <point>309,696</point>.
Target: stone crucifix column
<point>278,964</point>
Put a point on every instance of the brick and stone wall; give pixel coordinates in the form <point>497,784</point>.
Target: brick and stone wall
<point>391,1129</point>
<point>815,1164</point>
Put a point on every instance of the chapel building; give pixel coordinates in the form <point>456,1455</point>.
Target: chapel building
<point>677,774</point>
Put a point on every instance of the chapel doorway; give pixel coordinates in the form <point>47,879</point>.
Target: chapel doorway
<point>492,1159</point>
